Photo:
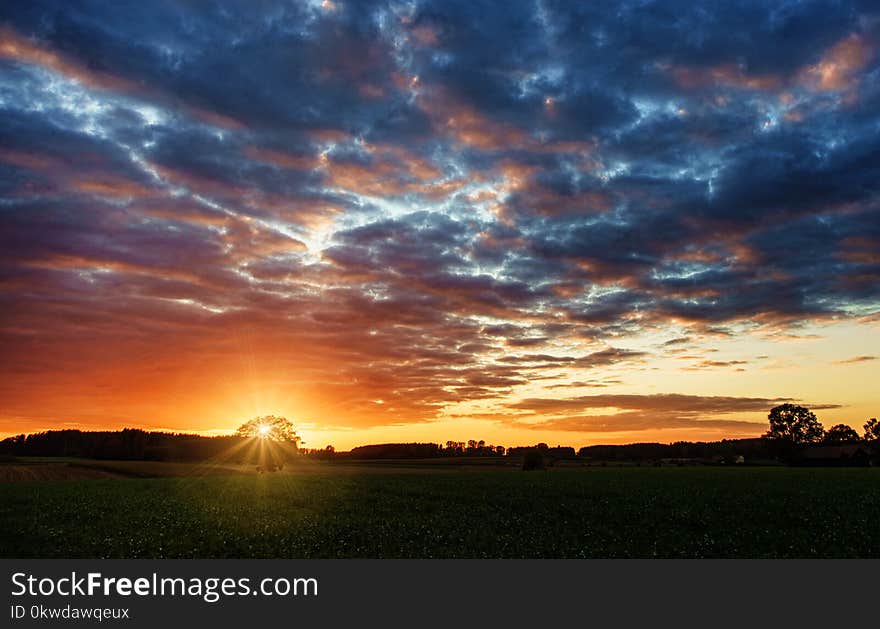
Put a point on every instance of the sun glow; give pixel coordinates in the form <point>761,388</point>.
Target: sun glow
<point>263,430</point>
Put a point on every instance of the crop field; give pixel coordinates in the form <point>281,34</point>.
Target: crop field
<point>356,512</point>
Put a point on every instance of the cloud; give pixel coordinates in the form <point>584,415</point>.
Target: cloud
<point>429,205</point>
<point>855,359</point>
<point>679,340</point>
<point>715,364</point>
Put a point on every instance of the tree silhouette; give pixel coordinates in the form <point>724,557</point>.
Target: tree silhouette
<point>793,424</point>
<point>272,428</point>
<point>872,430</point>
<point>841,433</point>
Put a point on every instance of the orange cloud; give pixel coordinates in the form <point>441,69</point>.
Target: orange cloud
<point>392,170</point>
<point>282,159</point>
<point>836,70</point>
<point>727,75</point>
<point>86,176</point>
<point>249,240</point>
<point>371,91</point>
<point>18,48</point>
<point>859,250</point>
<point>838,67</point>
<point>110,186</point>
<point>215,119</point>
<point>425,35</point>
<point>30,161</point>
<point>467,126</point>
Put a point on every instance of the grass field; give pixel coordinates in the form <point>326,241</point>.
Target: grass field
<point>355,511</point>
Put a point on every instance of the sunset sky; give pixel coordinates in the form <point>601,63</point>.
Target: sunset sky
<point>420,221</point>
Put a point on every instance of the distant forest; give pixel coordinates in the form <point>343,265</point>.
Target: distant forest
<point>136,444</point>
<point>127,444</point>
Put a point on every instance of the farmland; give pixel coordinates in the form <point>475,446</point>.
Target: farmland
<point>327,510</point>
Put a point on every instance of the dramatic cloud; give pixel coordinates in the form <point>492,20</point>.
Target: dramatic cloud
<point>384,213</point>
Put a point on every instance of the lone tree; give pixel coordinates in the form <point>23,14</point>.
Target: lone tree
<point>794,425</point>
<point>271,428</point>
<point>841,433</point>
<point>272,434</point>
<point>872,430</point>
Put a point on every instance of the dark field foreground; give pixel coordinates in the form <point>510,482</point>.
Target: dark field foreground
<point>597,512</point>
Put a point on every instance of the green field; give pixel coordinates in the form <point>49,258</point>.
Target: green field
<point>382,511</point>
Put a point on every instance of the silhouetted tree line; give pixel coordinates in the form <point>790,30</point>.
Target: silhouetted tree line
<point>319,453</point>
<point>127,444</point>
<point>556,453</point>
<point>135,444</point>
<point>394,451</point>
<point>795,437</point>
<point>751,449</point>
<point>472,447</point>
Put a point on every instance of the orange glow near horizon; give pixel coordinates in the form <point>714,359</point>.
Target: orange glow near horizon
<point>183,395</point>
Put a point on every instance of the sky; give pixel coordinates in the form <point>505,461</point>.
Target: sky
<point>574,223</point>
